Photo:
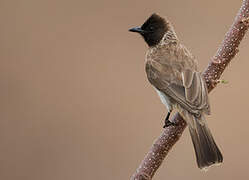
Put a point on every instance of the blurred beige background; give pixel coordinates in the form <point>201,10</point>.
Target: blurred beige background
<point>75,102</point>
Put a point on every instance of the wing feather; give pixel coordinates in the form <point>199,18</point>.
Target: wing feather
<point>191,94</point>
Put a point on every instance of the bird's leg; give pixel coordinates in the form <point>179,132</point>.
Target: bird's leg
<point>167,121</point>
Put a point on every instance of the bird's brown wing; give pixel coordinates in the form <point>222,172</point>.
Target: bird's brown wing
<point>191,93</point>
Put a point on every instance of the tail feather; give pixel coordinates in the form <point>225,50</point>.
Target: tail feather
<point>206,150</point>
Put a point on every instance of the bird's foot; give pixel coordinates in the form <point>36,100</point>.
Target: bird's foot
<point>167,122</point>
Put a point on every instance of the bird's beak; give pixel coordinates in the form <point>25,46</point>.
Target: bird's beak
<point>136,29</point>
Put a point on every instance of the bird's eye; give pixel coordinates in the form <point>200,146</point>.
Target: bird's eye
<point>151,28</point>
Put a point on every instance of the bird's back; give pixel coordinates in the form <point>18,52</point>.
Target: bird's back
<point>170,60</point>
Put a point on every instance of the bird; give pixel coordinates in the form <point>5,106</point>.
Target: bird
<point>173,72</point>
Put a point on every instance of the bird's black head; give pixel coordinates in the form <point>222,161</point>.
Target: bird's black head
<point>152,30</point>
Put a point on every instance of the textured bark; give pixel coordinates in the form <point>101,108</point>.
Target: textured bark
<point>226,51</point>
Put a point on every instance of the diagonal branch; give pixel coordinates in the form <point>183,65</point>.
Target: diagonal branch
<point>227,50</point>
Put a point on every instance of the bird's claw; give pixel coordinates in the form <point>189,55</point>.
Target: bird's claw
<point>167,122</point>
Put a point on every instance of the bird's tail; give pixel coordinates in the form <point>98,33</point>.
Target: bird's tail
<point>206,150</point>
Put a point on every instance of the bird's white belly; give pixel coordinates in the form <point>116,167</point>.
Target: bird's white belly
<point>165,99</point>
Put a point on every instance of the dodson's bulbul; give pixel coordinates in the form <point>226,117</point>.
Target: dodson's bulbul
<point>172,70</point>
